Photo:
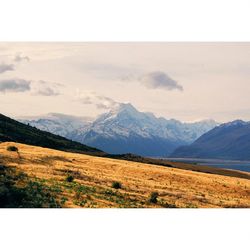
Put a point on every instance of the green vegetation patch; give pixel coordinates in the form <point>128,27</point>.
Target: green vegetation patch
<point>17,190</point>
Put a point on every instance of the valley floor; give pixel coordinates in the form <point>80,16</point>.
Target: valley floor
<point>41,177</point>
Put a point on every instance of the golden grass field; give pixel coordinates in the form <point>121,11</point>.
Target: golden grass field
<point>93,178</point>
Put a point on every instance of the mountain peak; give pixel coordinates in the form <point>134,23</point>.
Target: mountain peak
<point>125,107</point>
<point>121,109</point>
<point>234,123</point>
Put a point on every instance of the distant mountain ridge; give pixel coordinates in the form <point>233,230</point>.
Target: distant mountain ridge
<point>56,123</point>
<point>230,141</point>
<point>12,130</point>
<point>126,130</point>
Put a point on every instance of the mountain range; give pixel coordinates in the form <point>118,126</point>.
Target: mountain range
<point>124,130</point>
<point>14,133</point>
<point>230,141</point>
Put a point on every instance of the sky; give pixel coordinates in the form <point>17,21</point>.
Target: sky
<point>184,81</point>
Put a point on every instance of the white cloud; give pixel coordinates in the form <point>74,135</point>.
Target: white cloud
<point>100,101</point>
<point>12,62</point>
<point>47,91</point>
<point>6,67</point>
<point>20,58</point>
<point>45,88</point>
<point>14,85</point>
<point>105,102</point>
<point>110,71</point>
<point>159,80</point>
<point>41,87</point>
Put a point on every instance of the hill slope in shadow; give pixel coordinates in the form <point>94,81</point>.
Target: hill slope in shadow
<point>12,130</point>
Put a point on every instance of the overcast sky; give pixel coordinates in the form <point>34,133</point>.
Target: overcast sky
<point>185,81</point>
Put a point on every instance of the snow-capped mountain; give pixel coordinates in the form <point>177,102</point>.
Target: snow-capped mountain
<point>125,129</point>
<point>59,124</point>
<point>229,141</point>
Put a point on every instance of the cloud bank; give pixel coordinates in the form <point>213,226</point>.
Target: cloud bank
<point>6,67</point>
<point>105,102</point>
<point>45,88</point>
<point>20,58</point>
<point>159,80</point>
<point>91,98</point>
<point>12,63</point>
<point>153,80</point>
<point>42,88</point>
<point>14,85</point>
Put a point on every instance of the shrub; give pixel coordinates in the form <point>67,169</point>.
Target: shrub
<point>153,197</point>
<point>69,178</point>
<point>116,185</point>
<point>2,168</point>
<point>12,148</point>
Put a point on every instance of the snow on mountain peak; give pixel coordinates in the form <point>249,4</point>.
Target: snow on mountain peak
<point>125,108</point>
<point>128,107</point>
<point>126,120</point>
<point>234,123</point>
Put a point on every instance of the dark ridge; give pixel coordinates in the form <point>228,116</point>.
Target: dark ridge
<point>180,165</point>
<point>138,158</point>
<point>12,130</point>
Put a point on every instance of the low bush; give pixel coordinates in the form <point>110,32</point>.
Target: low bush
<point>116,185</point>
<point>12,148</point>
<point>69,178</point>
<point>153,197</point>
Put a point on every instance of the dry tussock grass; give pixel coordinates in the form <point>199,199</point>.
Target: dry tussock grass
<point>93,178</point>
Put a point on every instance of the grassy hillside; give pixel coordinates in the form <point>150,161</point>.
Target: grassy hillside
<point>12,130</point>
<point>41,177</point>
<point>181,165</point>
